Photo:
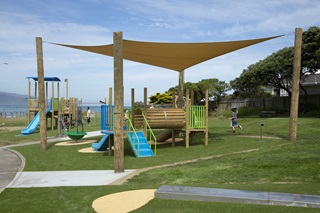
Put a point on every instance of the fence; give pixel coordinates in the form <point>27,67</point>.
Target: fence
<point>279,103</point>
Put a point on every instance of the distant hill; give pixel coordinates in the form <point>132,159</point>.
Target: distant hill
<point>7,98</point>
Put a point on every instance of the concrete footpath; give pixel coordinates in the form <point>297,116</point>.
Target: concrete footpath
<point>11,163</point>
<point>12,176</point>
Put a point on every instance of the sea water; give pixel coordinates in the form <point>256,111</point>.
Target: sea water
<point>13,110</point>
<point>21,110</point>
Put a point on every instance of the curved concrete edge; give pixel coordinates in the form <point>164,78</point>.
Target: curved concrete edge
<point>23,163</point>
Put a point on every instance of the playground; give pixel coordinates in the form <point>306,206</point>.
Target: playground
<point>229,162</point>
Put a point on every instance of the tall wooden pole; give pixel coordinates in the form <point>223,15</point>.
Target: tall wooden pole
<point>187,119</point>
<point>47,94</point>
<point>145,100</point>
<point>132,106</point>
<point>110,116</point>
<point>118,102</point>
<point>43,123</point>
<point>206,134</point>
<point>52,104</point>
<point>180,89</point>
<point>66,80</point>
<point>29,100</point>
<point>295,85</point>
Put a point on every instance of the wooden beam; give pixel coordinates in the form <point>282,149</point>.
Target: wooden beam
<point>180,89</point>
<point>110,120</point>
<point>295,85</point>
<point>132,106</point>
<point>43,123</point>
<point>52,105</point>
<point>29,100</point>
<point>118,102</point>
<point>187,120</point>
<point>206,134</point>
<point>145,100</point>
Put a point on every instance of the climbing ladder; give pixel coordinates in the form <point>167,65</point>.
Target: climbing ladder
<point>139,144</point>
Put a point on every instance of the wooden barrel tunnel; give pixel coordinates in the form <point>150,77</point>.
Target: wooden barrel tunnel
<point>161,118</point>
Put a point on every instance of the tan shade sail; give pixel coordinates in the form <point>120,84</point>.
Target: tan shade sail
<point>174,56</point>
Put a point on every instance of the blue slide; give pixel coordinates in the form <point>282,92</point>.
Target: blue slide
<point>34,124</point>
<point>102,145</point>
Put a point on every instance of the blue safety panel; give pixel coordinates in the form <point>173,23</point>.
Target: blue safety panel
<point>139,144</point>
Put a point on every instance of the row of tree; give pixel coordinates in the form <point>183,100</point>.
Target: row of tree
<point>275,70</point>
<point>216,90</point>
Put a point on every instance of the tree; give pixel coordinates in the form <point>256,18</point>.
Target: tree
<point>310,62</point>
<point>276,70</point>
<point>248,84</point>
<point>217,89</point>
<point>163,98</point>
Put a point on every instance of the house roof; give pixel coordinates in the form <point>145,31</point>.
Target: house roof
<point>174,56</point>
<point>311,80</point>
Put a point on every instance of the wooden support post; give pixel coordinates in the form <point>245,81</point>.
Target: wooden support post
<point>180,89</point>
<point>110,121</point>
<point>187,119</point>
<point>145,99</point>
<point>47,95</point>
<point>206,134</point>
<point>52,105</point>
<point>118,102</point>
<point>132,106</point>
<point>173,99</point>
<point>43,126</point>
<point>295,85</point>
<point>173,136</point>
<point>192,97</point>
<point>35,89</point>
<point>29,100</point>
<point>67,82</point>
<point>58,109</point>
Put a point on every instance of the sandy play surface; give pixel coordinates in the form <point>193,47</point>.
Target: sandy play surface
<point>123,201</point>
<point>73,143</point>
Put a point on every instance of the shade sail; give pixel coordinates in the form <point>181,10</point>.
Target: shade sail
<point>174,56</point>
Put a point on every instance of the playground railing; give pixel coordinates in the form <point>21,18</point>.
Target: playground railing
<point>131,128</point>
<point>151,134</point>
<point>197,117</point>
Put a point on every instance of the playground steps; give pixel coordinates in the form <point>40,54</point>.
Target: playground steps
<point>142,150</point>
<point>102,145</point>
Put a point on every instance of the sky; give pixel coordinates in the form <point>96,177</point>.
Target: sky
<point>93,22</point>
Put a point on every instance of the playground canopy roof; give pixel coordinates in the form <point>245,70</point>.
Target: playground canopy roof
<point>45,78</point>
<point>174,56</point>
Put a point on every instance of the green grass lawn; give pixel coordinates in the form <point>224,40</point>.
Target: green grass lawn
<point>233,161</point>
